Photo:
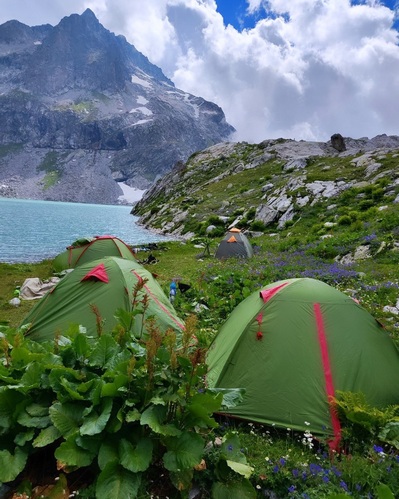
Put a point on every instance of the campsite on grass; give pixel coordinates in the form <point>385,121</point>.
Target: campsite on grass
<point>248,383</point>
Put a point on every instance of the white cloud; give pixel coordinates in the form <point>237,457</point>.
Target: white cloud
<point>316,67</point>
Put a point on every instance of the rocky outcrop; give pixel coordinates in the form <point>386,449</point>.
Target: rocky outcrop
<point>91,100</point>
<point>175,201</point>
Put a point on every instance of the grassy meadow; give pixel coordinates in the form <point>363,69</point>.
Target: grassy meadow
<point>278,462</point>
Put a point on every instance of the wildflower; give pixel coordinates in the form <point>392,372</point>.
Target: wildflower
<point>291,489</point>
<point>336,471</point>
<point>275,469</point>
<point>343,485</point>
<point>258,487</point>
<point>378,449</point>
<point>282,461</point>
<point>230,447</point>
<point>325,479</point>
<point>267,458</point>
<point>295,472</point>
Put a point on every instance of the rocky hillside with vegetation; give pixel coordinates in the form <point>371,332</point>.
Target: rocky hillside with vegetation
<point>310,188</point>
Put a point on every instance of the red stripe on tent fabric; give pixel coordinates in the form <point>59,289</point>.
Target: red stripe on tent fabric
<point>160,305</point>
<point>321,334</point>
<point>98,272</point>
<point>266,294</point>
<point>259,318</point>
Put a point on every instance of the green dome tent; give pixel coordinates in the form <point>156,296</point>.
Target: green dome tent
<point>234,243</point>
<point>89,249</point>
<point>107,283</point>
<point>292,346</point>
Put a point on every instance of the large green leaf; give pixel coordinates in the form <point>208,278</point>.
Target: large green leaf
<point>233,490</point>
<point>71,454</point>
<point>384,492</point>
<point>34,416</point>
<point>81,346</point>
<point>46,436</point>
<point>72,388</point>
<point>133,415</point>
<point>154,417</point>
<point>182,479</point>
<point>112,389</point>
<point>67,417</point>
<point>124,318</point>
<point>240,468</point>
<point>136,458</point>
<point>201,407</point>
<point>115,482</point>
<point>90,443</point>
<point>24,437</point>
<point>11,465</point>
<point>231,449</point>
<point>32,376</point>
<point>96,421</point>
<point>108,453</point>
<point>184,452</point>
<point>58,375</point>
<point>22,356</point>
<point>231,396</point>
<point>10,400</point>
<point>104,351</point>
<point>390,433</point>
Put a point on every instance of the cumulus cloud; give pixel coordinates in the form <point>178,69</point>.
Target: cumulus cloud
<point>306,70</point>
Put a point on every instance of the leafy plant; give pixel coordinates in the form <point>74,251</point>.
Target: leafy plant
<point>120,406</point>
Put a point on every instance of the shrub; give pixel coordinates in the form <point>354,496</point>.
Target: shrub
<point>132,411</point>
<point>344,220</point>
<point>257,225</point>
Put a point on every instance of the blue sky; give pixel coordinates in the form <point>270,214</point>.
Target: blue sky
<point>235,12</point>
<point>306,69</point>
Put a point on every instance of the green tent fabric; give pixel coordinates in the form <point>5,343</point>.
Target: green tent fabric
<point>234,244</point>
<point>89,249</point>
<point>107,283</point>
<point>292,346</point>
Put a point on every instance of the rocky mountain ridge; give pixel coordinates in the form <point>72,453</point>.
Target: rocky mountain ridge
<point>81,110</point>
<point>265,187</point>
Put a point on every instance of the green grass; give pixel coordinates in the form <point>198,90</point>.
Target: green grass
<point>12,277</point>
<point>280,458</point>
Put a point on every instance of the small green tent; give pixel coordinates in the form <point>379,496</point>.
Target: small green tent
<point>292,346</point>
<point>89,249</point>
<point>107,283</point>
<point>234,243</point>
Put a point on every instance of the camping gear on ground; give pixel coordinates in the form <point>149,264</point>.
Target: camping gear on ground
<point>106,284</point>
<point>34,288</point>
<point>292,346</point>
<point>234,243</point>
<point>89,249</point>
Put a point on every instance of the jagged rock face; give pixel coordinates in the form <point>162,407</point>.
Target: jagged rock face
<point>78,87</point>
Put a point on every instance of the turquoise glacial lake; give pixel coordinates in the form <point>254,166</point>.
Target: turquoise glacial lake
<point>32,231</point>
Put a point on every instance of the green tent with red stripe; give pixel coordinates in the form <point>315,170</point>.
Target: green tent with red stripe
<point>107,284</point>
<point>292,346</point>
